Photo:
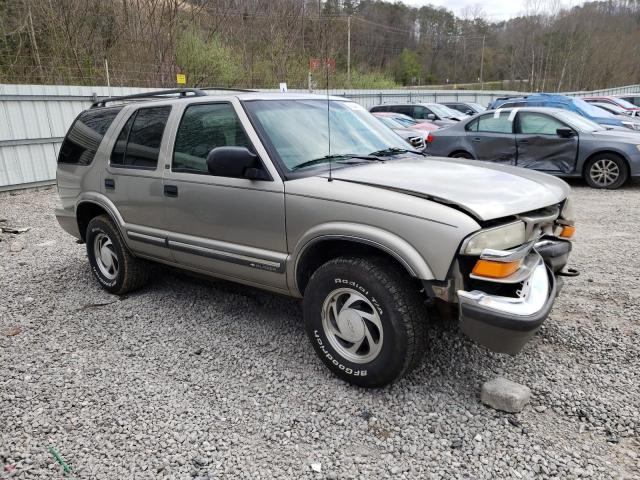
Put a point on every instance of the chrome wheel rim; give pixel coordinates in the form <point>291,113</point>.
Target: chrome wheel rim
<point>352,325</point>
<point>604,172</point>
<point>105,256</point>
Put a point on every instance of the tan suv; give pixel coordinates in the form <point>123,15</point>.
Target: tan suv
<point>313,197</point>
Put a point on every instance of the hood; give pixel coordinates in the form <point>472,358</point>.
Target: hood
<point>624,134</point>
<point>485,190</point>
<point>407,133</point>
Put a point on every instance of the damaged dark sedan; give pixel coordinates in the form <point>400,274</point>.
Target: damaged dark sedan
<point>550,140</point>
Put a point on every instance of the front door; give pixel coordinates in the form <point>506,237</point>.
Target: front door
<point>231,227</point>
<point>491,138</point>
<point>540,147</point>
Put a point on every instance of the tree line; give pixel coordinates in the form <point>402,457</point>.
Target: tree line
<point>257,43</point>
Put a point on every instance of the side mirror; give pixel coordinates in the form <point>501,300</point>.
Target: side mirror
<point>235,162</point>
<point>431,116</point>
<point>565,132</point>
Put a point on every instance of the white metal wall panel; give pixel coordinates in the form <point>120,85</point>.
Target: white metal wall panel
<point>32,118</point>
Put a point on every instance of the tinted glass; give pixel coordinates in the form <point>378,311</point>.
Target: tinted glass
<point>420,112</point>
<point>84,136</point>
<point>117,154</point>
<point>404,109</point>
<point>203,128</point>
<point>492,124</point>
<point>538,124</point>
<point>138,145</point>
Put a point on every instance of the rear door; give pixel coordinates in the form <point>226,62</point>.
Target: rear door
<point>491,137</point>
<point>133,179</point>
<point>539,146</point>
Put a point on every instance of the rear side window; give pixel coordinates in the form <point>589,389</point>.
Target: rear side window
<point>203,128</point>
<point>138,145</point>
<point>85,135</point>
<point>489,123</point>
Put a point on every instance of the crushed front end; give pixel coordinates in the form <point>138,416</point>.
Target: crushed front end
<point>507,276</point>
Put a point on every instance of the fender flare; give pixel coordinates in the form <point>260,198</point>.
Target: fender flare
<point>383,240</point>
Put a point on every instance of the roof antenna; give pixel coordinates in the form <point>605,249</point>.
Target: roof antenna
<point>326,66</point>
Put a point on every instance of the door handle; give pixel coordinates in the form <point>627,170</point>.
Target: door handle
<point>523,141</point>
<point>109,184</point>
<point>476,139</point>
<point>170,191</point>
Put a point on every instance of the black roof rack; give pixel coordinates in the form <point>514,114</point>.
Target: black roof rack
<point>183,92</point>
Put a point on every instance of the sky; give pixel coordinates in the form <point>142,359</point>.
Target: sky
<point>494,10</point>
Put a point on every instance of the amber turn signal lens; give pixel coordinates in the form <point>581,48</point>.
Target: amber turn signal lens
<point>568,231</point>
<point>487,268</point>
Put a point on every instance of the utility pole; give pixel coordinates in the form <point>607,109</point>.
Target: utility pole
<point>482,63</point>
<point>106,69</point>
<point>349,51</point>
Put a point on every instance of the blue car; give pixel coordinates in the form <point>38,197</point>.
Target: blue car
<point>573,104</point>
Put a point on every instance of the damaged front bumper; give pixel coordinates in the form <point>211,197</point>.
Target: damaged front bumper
<point>504,324</point>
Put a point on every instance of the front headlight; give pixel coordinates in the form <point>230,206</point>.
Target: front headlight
<point>496,238</point>
<point>632,125</point>
<point>567,212</point>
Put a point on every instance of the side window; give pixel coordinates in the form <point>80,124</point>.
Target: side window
<point>420,112</point>
<point>472,126</point>
<point>404,109</point>
<point>138,145</point>
<point>84,137</point>
<point>492,124</point>
<point>538,124</point>
<point>203,128</point>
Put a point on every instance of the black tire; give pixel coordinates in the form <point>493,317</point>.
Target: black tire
<point>606,170</point>
<point>126,273</point>
<point>461,154</point>
<point>400,309</point>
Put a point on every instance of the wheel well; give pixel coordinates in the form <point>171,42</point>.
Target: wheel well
<point>604,152</point>
<point>84,213</point>
<point>323,251</point>
<point>460,151</point>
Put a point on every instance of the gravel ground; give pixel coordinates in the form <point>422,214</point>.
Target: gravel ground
<point>191,378</point>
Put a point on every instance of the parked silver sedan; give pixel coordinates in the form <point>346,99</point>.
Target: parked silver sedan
<point>550,140</point>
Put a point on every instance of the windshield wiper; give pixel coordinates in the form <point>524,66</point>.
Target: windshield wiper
<point>328,158</point>
<point>387,152</point>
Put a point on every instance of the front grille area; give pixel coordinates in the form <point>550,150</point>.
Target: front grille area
<point>417,143</point>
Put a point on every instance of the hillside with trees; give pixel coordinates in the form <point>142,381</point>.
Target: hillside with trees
<point>255,43</point>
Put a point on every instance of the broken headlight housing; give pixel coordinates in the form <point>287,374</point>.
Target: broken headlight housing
<point>496,238</point>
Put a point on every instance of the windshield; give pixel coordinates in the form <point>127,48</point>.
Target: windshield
<point>442,111</point>
<point>390,122</point>
<point>591,110</point>
<point>297,129</point>
<point>406,122</point>
<point>580,123</point>
<point>476,106</point>
<point>624,104</point>
<point>610,107</point>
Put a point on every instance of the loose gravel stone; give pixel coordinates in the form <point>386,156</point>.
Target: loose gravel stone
<point>120,392</point>
<point>503,394</point>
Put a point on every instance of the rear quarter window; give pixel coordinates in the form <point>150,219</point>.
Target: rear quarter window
<point>85,135</point>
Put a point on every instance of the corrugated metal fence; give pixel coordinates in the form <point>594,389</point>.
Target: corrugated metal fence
<point>35,118</point>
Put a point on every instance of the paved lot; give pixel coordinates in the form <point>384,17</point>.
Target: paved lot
<point>191,378</point>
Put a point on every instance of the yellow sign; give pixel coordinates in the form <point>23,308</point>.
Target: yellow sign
<point>181,79</point>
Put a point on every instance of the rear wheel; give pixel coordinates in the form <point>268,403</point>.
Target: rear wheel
<point>113,266</point>
<point>461,154</point>
<point>606,170</point>
<point>365,319</point>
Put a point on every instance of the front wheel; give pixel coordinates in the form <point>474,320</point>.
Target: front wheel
<point>461,154</point>
<point>606,171</point>
<point>365,320</point>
